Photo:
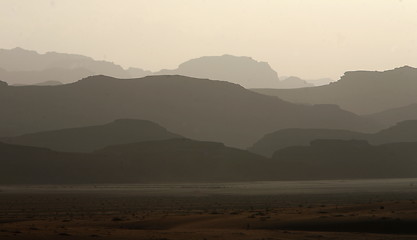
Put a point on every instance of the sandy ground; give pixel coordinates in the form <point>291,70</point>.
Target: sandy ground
<point>126,215</point>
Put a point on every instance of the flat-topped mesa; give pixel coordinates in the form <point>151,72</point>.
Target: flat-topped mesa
<point>361,92</point>
<point>400,73</point>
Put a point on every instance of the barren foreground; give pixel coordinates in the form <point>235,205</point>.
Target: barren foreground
<point>206,212</point>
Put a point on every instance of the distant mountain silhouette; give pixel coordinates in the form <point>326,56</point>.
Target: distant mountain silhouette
<point>173,160</point>
<point>244,71</point>
<point>49,83</point>
<point>361,92</point>
<point>47,75</point>
<point>394,115</point>
<point>24,67</point>
<point>347,159</point>
<point>281,139</point>
<point>46,83</point>
<point>138,72</point>
<point>184,160</point>
<point>320,81</point>
<point>20,66</point>
<point>402,132</point>
<point>88,139</point>
<point>307,82</point>
<point>294,82</point>
<point>194,108</point>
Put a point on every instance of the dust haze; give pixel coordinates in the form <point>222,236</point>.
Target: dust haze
<point>171,120</point>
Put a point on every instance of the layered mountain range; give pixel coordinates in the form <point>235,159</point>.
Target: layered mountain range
<point>60,122</point>
<point>23,67</point>
<point>405,131</point>
<point>361,92</point>
<point>200,109</point>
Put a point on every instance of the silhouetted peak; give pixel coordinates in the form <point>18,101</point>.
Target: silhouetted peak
<point>19,49</point>
<point>293,78</point>
<point>405,68</point>
<point>97,79</point>
<point>294,82</point>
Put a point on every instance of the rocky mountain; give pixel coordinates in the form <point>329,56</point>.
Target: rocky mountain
<point>244,71</point>
<point>24,67</point>
<point>194,108</point>
<point>361,92</point>
<point>88,139</point>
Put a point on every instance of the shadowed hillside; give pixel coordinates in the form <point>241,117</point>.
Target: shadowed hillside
<point>347,159</point>
<point>281,139</point>
<point>194,108</point>
<point>159,161</point>
<point>87,139</point>
<point>362,92</point>
<point>402,132</point>
<point>184,160</point>
<point>392,116</point>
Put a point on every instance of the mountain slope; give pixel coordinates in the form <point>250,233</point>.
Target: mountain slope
<point>183,160</point>
<point>401,132</point>
<point>88,139</point>
<point>173,160</point>
<point>194,108</point>
<point>347,159</point>
<point>361,92</point>
<point>267,145</point>
<point>394,115</point>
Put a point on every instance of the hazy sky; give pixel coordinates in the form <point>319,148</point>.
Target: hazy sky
<point>307,38</point>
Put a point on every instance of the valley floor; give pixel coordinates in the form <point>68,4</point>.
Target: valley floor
<point>111,214</point>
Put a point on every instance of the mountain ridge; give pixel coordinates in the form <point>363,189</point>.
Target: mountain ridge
<point>199,109</point>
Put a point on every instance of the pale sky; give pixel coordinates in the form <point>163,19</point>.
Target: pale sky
<point>306,38</point>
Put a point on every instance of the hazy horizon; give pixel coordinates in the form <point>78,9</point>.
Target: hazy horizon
<point>309,39</point>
